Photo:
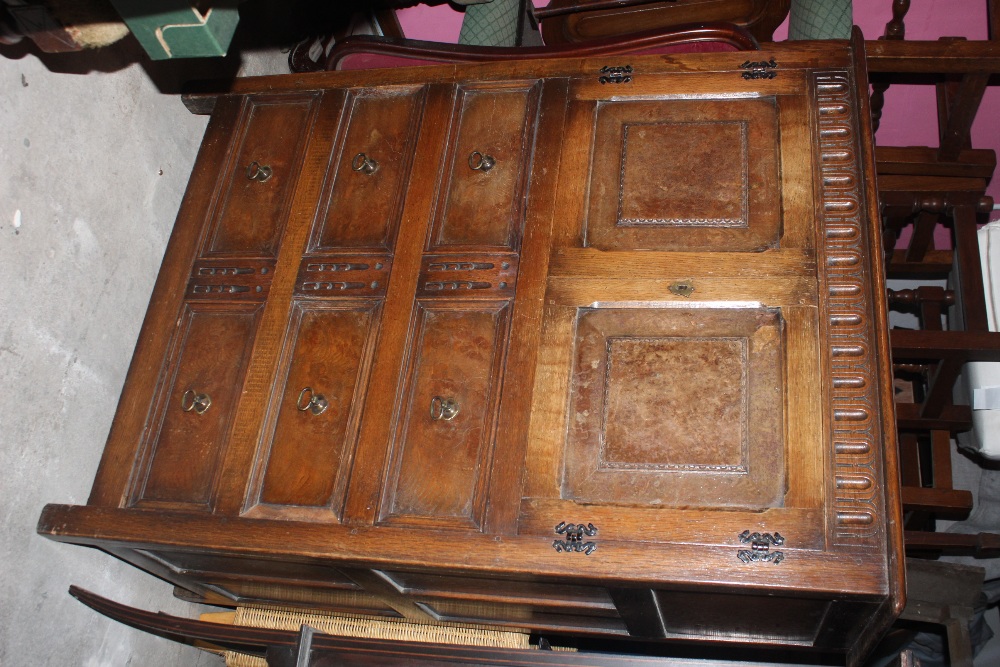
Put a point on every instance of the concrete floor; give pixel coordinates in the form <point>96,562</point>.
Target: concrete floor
<point>94,160</point>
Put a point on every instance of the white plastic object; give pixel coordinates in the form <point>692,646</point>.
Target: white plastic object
<point>982,378</point>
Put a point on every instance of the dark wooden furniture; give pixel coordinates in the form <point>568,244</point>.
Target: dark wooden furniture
<point>960,71</point>
<point>590,346</point>
<point>367,52</point>
<point>569,21</point>
<point>309,647</point>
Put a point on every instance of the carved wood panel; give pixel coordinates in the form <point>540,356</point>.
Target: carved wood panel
<point>685,175</point>
<point>200,388</point>
<point>363,196</point>
<point>677,407</point>
<point>855,433</point>
<point>445,425</point>
<point>317,408</point>
<point>261,175</point>
<point>482,198</point>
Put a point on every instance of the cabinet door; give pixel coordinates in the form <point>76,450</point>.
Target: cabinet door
<point>444,434</point>
<point>195,398</point>
<point>260,177</point>
<point>680,340</point>
<point>195,407</point>
<point>334,315</point>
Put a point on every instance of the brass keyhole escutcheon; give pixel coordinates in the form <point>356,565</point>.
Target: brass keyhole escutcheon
<point>480,161</point>
<point>443,409</point>
<point>313,402</point>
<point>192,401</point>
<point>685,288</point>
<point>258,172</point>
<point>364,164</point>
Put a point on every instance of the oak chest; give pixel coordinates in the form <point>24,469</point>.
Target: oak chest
<point>586,347</point>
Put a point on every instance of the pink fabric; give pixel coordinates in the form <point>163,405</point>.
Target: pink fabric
<point>379,61</point>
<point>696,47</point>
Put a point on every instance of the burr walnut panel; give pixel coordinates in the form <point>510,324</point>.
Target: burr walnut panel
<point>261,175</point>
<point>685,175</point>
<point>677,407</point>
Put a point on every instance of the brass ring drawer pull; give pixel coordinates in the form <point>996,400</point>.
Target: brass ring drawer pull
<point>258,172</point>
<point>480,161</point>
<point>192,401</point>
<point>443,408</point>
<point>364,164</point>
<point>316,403</point>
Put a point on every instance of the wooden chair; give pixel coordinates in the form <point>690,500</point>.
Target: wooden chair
<point>367,52</point>
<point>574,21</point>
<point>929,190</point>
<point>960,70</point>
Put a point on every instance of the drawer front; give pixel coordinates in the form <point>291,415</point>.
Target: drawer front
<point>261,175</point>
<point>193,410</point>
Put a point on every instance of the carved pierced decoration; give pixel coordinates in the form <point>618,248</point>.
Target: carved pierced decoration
<point>437,286</point>
<point>219,289</point>
<point>215,279</point>
<point>344,266</point>
<point>327,286</point>
<point>575,533</point>
<point>477,275</point>
<point>761,69</point>
<point>854,401</point>
<point>618,74</point>
<point>224,270</point>
<point>343,276</point>
<point>460,266</point>
<point>760,547</point>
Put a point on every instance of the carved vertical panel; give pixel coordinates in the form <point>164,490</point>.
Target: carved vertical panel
<point>363,195</point>
<point>482,197</point>
<point>261,176</point>
<point>195,405</point>
<point>447,417</point>
<point>854,408</point>
<point>318,407</point>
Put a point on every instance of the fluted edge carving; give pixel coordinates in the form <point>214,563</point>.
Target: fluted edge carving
<point>853,407</point>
